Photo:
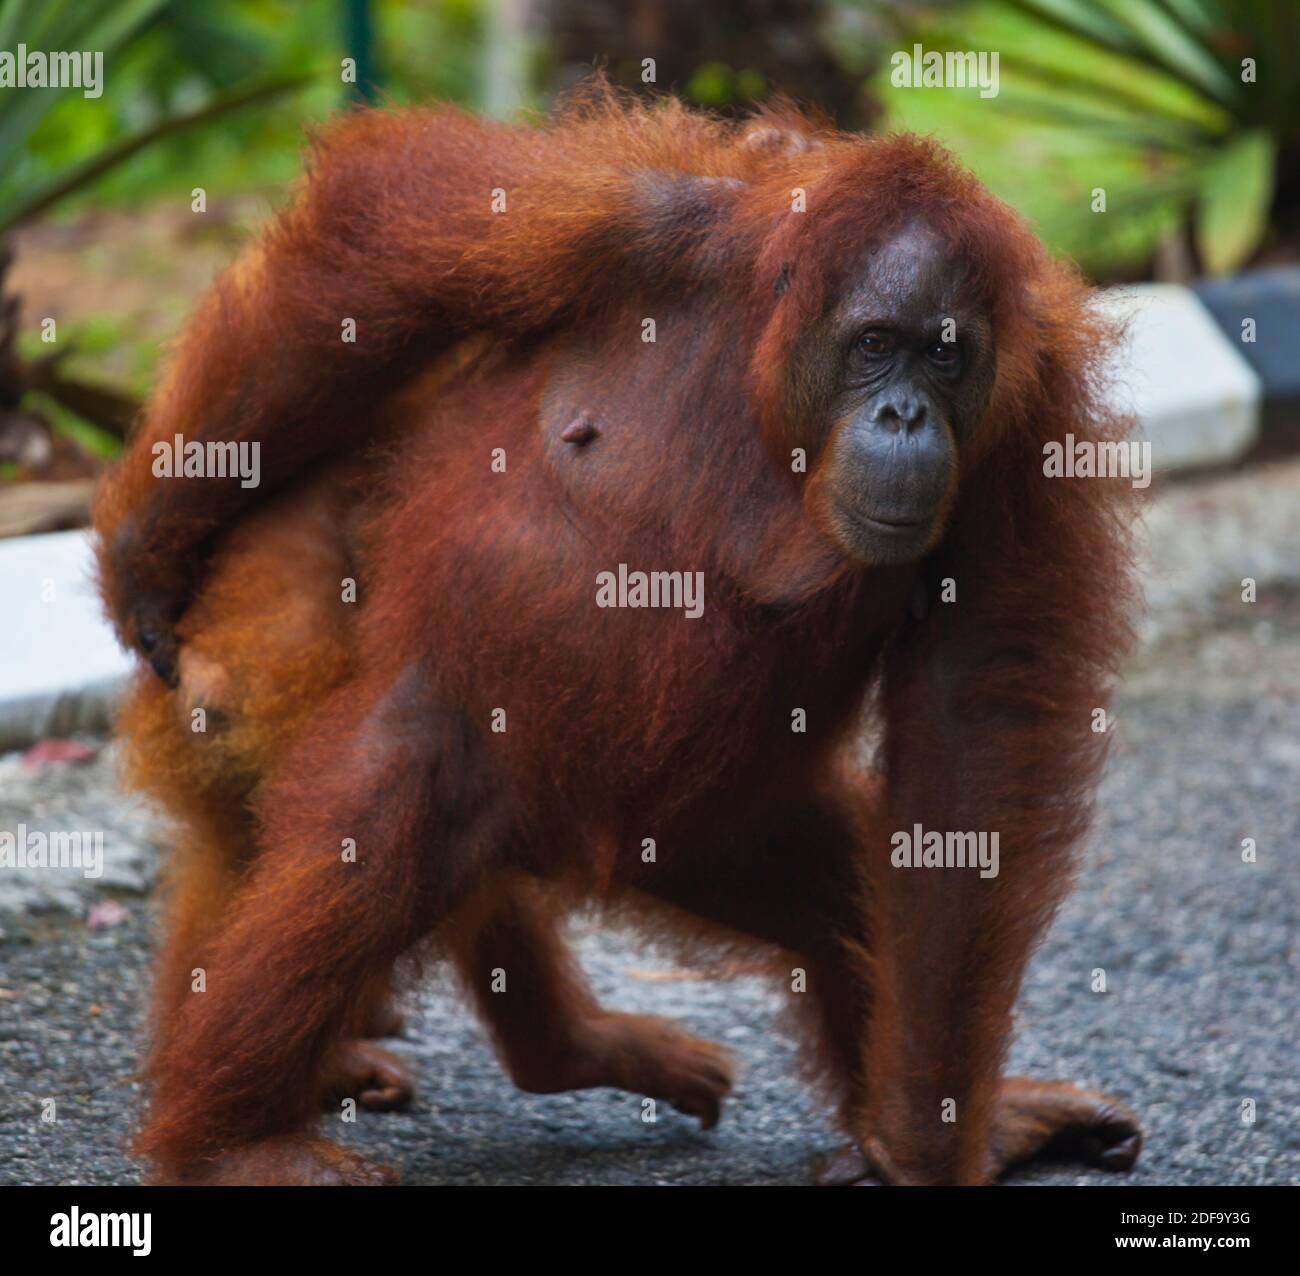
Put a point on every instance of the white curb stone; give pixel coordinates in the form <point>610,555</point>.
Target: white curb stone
<point>60,665</point>
<point>1195,398</point>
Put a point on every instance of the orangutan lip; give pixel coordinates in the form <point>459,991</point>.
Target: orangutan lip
<point>889,524</point>
<point>896,524</point>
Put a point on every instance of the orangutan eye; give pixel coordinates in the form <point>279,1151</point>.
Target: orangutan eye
<point>943,353</point>
<point>876,343</point>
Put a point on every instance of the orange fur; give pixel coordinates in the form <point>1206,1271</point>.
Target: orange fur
<point>373,722</point>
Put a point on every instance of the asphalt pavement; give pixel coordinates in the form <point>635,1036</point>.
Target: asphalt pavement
<point>1199,948</point>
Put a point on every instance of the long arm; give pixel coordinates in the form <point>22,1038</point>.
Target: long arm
<point>418,228</point>
<point>989,703</point>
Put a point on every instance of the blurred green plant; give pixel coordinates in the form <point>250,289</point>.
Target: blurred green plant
<point>37,393</point>
<point>177,74</point>
<point>62,142</point>
<point>715,84</point>
<point>1186,112</point>
<point>190,54</point>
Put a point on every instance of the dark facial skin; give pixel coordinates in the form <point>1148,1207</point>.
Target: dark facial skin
<point>902,399</point>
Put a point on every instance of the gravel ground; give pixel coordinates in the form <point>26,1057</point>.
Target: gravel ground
<point>1199,948</point>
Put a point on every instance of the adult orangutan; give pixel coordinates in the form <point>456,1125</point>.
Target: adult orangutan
<point>491,370</point>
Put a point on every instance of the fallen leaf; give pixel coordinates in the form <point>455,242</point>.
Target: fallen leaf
<point>70,751</point>
<point>106,913</point>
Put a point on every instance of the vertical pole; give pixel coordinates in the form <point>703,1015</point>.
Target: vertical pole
<point>505,70</point>
<point>359,44</point>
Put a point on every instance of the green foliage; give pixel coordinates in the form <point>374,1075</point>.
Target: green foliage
<point>54,25</point>
<point>1232,211</point>
<point>716,85</point>
<point>64,142</point>
<point>187,85</point>
<point>432,50</point>
<point>1151,100</point>
<point>185,57</point>
<point>100,344</point>
<point>96,441</point>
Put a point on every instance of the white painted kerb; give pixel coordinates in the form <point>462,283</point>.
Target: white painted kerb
<point>1195,397</point>
<point>59,661</point>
